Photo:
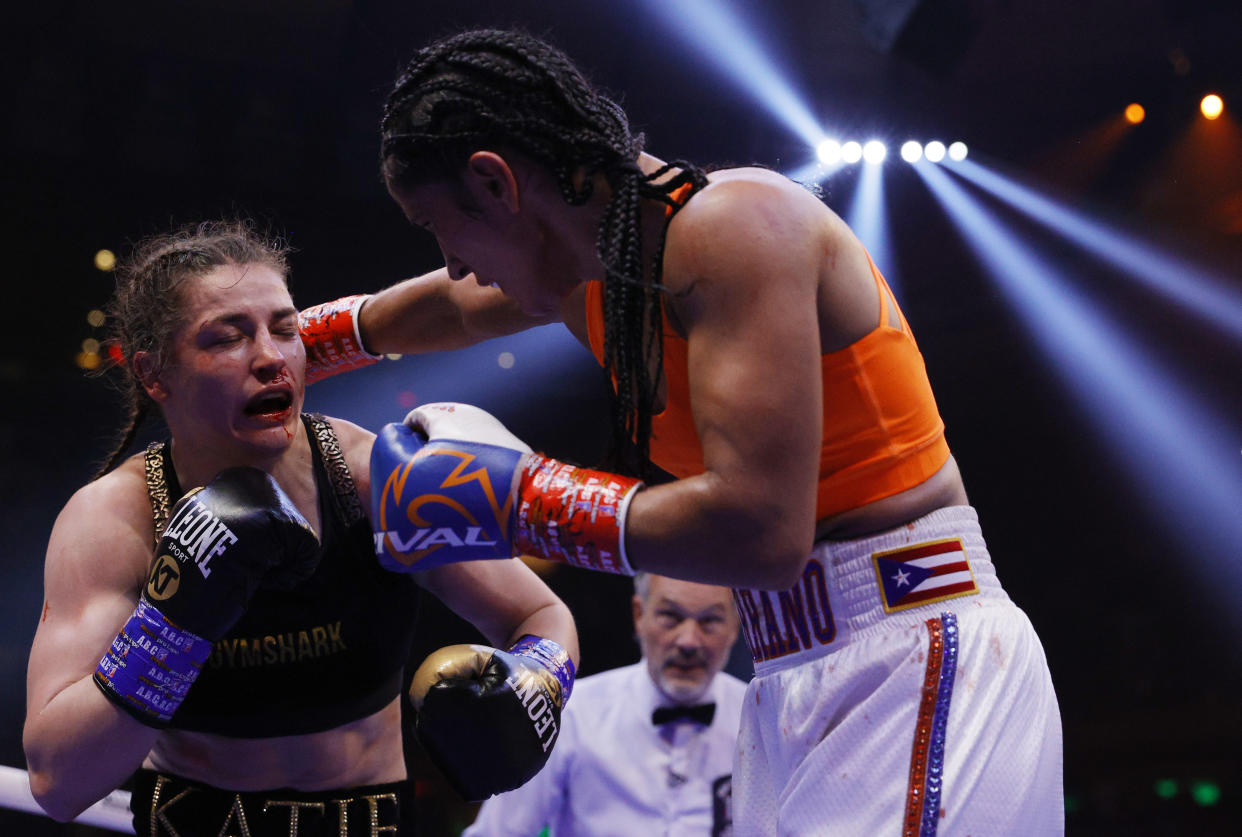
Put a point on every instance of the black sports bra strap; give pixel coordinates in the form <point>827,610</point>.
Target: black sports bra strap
<point>344,492</point>
<point>157,486</point>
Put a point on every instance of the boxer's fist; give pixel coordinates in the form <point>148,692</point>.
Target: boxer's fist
<point>223,542</point>
<point>488,718</point>
<point>442,488</point>
<point>454,485</point>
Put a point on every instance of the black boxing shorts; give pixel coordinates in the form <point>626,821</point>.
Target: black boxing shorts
<point>170,806</point>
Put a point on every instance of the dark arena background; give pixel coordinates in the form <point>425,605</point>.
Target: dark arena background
<point>1075,283</point>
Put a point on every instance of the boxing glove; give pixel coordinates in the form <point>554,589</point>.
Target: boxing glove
<point>489,718</point>
<point>223,541</point>
<point>452,484</point>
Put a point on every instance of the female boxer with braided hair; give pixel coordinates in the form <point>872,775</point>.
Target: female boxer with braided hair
<point>216,618</point>
<point>759,357</point>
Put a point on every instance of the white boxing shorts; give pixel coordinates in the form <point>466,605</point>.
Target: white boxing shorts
<point>897,691</point>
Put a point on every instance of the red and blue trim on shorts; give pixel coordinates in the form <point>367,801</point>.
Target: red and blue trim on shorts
<point>927,758</point>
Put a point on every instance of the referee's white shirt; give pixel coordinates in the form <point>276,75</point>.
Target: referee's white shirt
<point>614,772</point>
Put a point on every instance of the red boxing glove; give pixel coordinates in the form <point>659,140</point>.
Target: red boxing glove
<point>330,334</point>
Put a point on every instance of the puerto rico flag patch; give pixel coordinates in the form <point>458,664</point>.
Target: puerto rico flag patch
<point>923,572</point>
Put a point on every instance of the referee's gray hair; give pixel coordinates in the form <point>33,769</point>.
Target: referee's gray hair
<point>642,585</point>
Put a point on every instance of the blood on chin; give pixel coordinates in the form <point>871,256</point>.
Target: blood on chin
<point>279,420</point>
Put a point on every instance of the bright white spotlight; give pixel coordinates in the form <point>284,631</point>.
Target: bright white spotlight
<point>829,152</point>
<point>874,152</point>
<point>957,151</point>
<point>851,152</point>
<point>911,151</point>
<point>934,151</point>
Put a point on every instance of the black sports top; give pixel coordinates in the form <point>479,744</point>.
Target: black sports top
<point>325,653</point>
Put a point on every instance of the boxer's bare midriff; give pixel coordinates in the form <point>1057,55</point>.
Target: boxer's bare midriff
<point>364,752</point>
<point>941,489</point>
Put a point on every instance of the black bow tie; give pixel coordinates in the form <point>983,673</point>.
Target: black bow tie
<point>701,714</point>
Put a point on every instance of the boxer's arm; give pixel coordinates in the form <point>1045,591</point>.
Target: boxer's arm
<point>743,262</point>
<point>432,312</point>
<point>79,745</point>
<point>505,600</point>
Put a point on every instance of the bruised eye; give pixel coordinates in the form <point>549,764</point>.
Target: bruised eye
<point>223,339</point>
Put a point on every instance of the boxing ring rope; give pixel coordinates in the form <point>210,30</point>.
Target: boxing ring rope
<point>111,812</point>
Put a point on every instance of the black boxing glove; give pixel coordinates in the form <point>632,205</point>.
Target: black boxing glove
<point>223,541</point>
<point>488,718</point>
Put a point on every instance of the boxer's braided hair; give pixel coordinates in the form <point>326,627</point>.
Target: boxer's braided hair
<point>148,306</point>
<point>496,90</point>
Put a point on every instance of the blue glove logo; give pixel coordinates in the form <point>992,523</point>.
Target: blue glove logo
<point>437,502</point>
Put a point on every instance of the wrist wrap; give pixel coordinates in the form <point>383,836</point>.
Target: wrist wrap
<point>330,334</point>
<point>150,666</point>
<point>573,515</point>
<point>551,656</point>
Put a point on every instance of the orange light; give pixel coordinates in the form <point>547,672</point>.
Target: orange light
<point>1135,113</point>
<point>1212,106</point>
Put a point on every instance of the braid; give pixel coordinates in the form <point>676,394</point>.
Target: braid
<point>633,305</point>
<point>138,410</point>
<point>492,88</point>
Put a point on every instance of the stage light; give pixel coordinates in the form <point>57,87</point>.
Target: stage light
<point>1180,449</point>
<point>1212,106</point>
<point>867,218</point>
<point>934,151</point>
<point>729,42</point>
<point>1135,113</point>
<point>87,360</point>
<point>851,152</point>
<point>957,151</point>
<point>105,260</point>
<point>911,151</point>
<point>95,317</point>
<point>829,152</point>
<point>91,346</point>
<point>1205,793</point>
<point>505,360</point>
<point>1212,297</point>
<point>874,152</point>
<point>1165,788</point>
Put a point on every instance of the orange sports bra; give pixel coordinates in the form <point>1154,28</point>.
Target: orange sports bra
<point>882,431</point>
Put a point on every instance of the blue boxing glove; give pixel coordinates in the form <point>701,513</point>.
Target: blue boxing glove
<point>439,501</point>
<point>452,484</point>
